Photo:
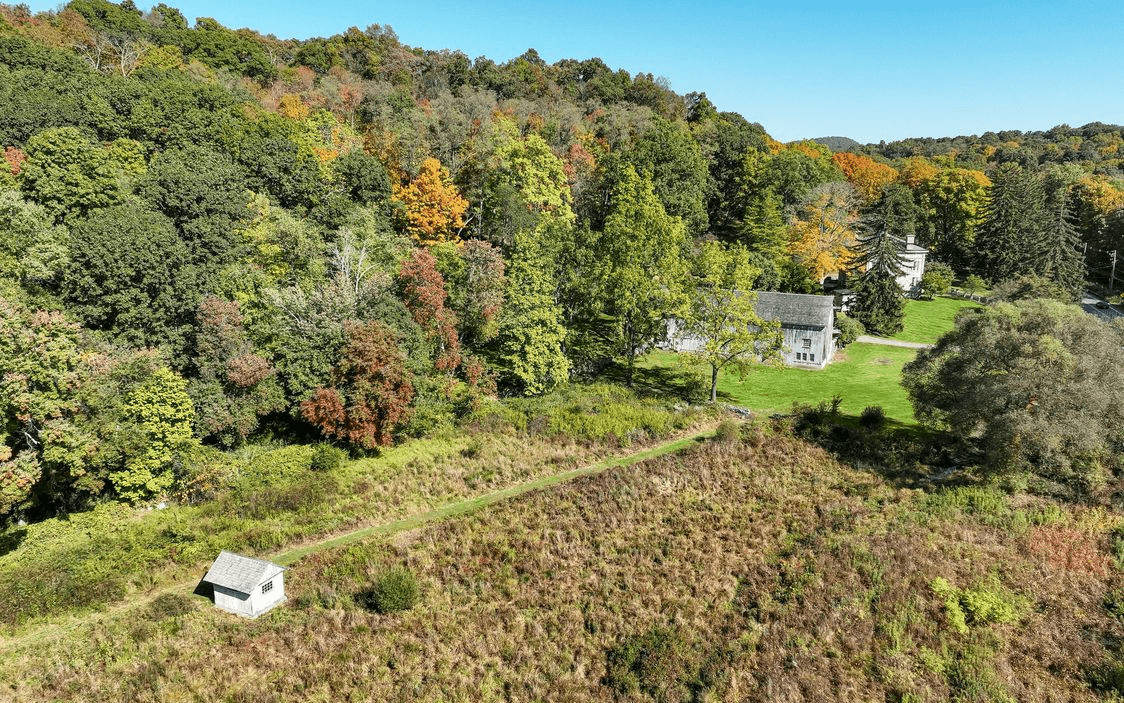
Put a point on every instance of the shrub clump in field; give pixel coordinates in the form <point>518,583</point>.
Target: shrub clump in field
<point>873,418</point>
<point>659,663</point>
<point>986,603</point>
<point>728,431</point>
<point>393,591</point>
<point>327,457</point>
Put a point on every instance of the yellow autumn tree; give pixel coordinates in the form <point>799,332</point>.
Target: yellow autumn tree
<point>432,208</point>
<point>916,171</point>
<point>822,235</point>
<point>867,175</point>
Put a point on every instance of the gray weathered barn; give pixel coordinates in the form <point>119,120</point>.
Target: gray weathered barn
<point>245,586</point>
<point>807,324</point>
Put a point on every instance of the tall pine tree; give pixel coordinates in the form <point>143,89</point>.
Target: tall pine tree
<point>1059,253</point>
<point>1014,218</point>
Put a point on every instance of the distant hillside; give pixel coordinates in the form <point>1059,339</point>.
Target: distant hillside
<point>1097,146</point>
<point>838,143</point>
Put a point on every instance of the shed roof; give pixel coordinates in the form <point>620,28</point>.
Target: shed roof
<point>795,308</point>
<point>240,573</point>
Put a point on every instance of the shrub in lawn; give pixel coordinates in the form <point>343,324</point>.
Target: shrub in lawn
<point>696,389</point>
<point>873,418</point>
<point>849,329</point>
<point>986,603</point>
<point>326,457</point>
<point>972,676</point>
<point>393,591</point>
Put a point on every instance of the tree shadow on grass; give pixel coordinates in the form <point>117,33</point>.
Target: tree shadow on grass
<point>905,456</point>
<point>660,381</point>
<point>11,539</point>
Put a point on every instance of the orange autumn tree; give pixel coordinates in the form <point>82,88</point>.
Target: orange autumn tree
<point>432,208</point>
<point>867,175</point>
<point>822,235</point>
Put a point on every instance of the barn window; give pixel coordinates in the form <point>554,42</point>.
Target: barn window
<point>267,586</point>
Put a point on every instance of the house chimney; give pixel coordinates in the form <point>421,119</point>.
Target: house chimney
<point>909,239</point>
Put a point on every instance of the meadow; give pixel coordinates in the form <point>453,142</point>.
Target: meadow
<point>752,567</point>
<point>266,499</point>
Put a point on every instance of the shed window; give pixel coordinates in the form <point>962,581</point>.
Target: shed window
<point>267,586</point>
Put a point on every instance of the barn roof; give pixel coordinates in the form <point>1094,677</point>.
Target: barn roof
<point>240,573</point>
<point>795,308</point>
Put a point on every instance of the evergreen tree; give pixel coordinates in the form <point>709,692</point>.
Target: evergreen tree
<point>765,236</point>
<point>1058,251</point>
<point>878,304</point>
<point>892,218</point>
<point>1008,240</point>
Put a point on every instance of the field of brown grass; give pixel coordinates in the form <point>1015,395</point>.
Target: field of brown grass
<point>753,567</point>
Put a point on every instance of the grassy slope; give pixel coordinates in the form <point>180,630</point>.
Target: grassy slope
<point>764,570</point>
<point>88,560</point>
<point>926,320</point>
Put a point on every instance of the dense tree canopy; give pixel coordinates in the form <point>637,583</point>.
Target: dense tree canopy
<point>1035,385</point>
<point>219,230</point>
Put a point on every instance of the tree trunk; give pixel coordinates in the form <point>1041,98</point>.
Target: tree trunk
<point>713,383</point>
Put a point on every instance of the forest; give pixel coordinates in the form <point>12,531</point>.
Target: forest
<point>210,236</point>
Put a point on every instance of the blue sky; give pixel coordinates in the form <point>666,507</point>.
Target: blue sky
<point>865,70</point>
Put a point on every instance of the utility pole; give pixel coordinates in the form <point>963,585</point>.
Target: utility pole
<point>1112,277</point>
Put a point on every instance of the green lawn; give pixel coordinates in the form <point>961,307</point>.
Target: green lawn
<point>862,374</point>
<point>926,320</point>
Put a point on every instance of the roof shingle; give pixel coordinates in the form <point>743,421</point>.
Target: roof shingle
<point>240,573</point>
<point>795,308</point>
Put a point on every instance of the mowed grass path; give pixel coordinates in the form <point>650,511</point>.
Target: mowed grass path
<point>926,320</point>
<point>862,374</point>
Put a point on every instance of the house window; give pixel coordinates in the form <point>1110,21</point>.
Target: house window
<point>807,344</point>
<point>267,586</point>
<point>813,357</point>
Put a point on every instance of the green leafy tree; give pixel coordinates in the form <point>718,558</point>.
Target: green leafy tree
<point>643,287</point>
<point>204,194</point>
<point>937,279</point>
<point>671,157</point>
<point>529,341</point>
<point>1007,379</point>
<point>160,413</point>
<point>68,174</point>
<point>43,452</point>
<point>723,316</point>
<point>130,274</point>
<point>951,201</point>
<point>33,251</point>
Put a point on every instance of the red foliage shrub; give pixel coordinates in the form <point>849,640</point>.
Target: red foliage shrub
<point>1070,549</point>
<point>372,390</point>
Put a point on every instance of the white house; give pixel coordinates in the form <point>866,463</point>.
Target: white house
<point>913,268</point>
<point>245,586</point>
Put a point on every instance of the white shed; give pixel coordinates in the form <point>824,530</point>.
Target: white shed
<point>245,586</point>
